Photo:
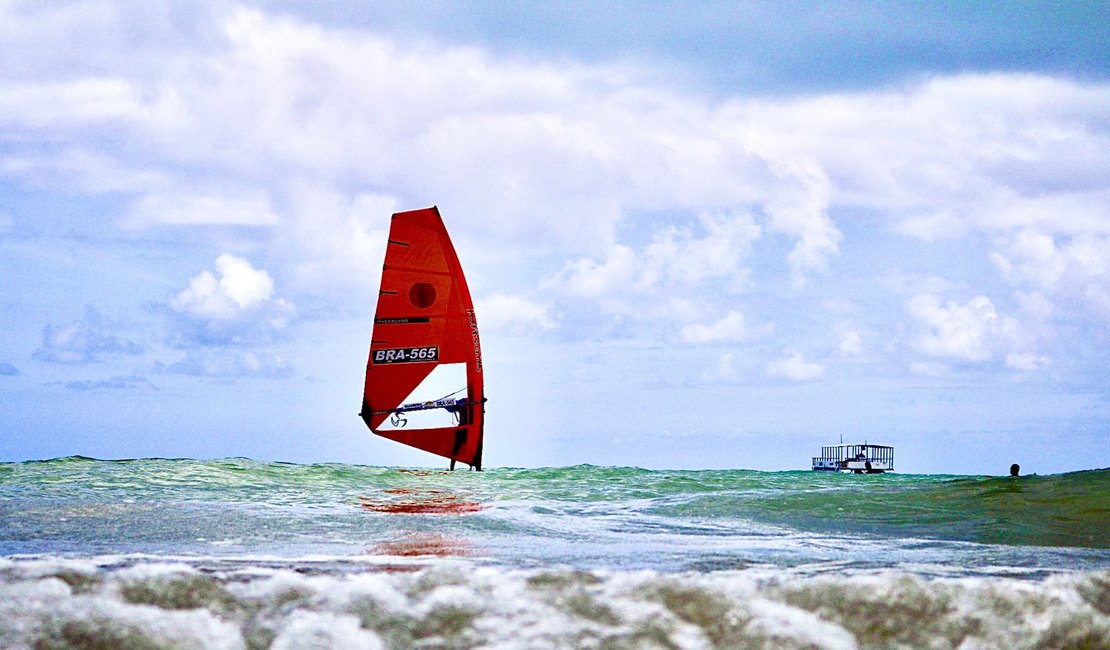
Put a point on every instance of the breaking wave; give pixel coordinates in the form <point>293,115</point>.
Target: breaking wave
<point>121,602</point>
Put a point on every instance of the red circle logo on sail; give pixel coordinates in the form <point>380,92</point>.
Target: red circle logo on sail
<point>422,295</point>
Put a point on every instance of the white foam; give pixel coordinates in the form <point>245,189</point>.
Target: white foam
<point>47,608</point>
<point>324,630</point>
<point>461,604</point>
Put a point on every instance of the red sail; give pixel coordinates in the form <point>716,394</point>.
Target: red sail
<point>425,321</point>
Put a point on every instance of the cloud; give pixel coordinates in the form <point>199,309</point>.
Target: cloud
<point>962,332</point>
<point>316,133</point>
<point>973,332</point>
<point>234,305</point>
<point>333,238</point>
<point>1014,157</point>
<point>800,209</point>
<point>87,340</point>
<point>678,277</point>
<point>77,103</point>
<point>795,368</point>
<point>725,369</point>
<point>1027,361</point>
<point>674,258</point>
<point>91,172</point>
<point>1073,267</point>
<point>567,149</point>
<point>505,312</point>
<point>731,328</point>
<point>123,382</point>
<point>930,369</point>
<point>188,208</point>
<point>591,279</point>
<point>8,370</point>
<point>851,345</point>
<point>229,364</point>
<point>239,288</point>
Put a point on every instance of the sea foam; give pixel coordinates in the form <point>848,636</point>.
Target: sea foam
<point>138,603</point>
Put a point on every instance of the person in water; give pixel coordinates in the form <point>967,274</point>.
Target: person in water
<point>1014,469</point>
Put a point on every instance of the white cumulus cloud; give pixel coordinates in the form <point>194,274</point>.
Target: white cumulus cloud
<point>963,332</point>
<point>1074,267</point>
<point>239,287</point>
<point>675,257</point>
<point>973,332</point>
<point>92,338</point>
<point>794,367</point>
<point>851,345</point>
<point>233,305</point>
<point>730,328</point>
<point>505,312</point>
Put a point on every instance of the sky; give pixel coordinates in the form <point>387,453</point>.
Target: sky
<point>698,235</point>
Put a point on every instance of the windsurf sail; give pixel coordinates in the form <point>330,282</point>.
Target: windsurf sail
<point>424,382</point>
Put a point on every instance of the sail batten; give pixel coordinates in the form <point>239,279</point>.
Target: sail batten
<point>416,270</point>
<point>425,333</point>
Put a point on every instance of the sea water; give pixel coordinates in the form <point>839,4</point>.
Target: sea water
<point>236,553</point>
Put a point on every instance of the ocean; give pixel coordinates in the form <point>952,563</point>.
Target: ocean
<point>236,553</point>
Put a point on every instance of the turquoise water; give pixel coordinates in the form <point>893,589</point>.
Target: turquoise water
<point>624,556</point>
<point>572,515</point>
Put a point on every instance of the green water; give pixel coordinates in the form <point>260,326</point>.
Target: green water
<point>583,515</point>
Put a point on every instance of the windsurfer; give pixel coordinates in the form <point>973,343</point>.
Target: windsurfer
<point>460,411</point>
<point>462,414</point>
<point>460,440</point>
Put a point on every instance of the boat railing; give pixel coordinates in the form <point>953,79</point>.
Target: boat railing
<point>863,457</point>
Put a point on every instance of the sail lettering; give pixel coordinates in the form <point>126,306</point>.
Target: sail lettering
<point>474,337</point>
<point>400,321</point>
<point>406,355</point>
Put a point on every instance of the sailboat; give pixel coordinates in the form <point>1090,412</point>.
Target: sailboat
<point>424,383</point>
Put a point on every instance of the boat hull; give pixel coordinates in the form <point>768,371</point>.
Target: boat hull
<point>853,471</point>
